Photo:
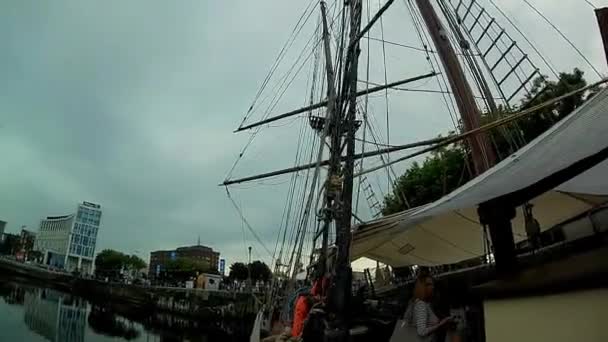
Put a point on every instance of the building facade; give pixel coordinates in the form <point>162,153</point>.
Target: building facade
<point>26,243</point>
<point>159,259</point>
<point>69,241</point>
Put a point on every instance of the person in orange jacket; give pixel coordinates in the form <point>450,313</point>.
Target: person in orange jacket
<point>304,304</point>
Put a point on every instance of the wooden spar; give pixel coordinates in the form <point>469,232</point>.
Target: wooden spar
<point>602,20</point>
<point>324,103</point>
<point>482,153</point>
<point>438,142</point>
<point>326,162</point>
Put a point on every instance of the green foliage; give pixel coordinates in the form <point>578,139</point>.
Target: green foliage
<point>445,169</point>
<point>439,174</point>
<point>259,271</point>
<point>238,272</point>
<point>136,263</point>
<point>544,90</point>
<point>11,244</point>
<point>109,263</point>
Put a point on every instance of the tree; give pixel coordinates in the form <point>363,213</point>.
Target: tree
<point>110,263</point>
<point>443,171</point>
<point>11,244</point>
<point>448,168</point>
<point>544,90</point>
<point>135,263</point>
<point>238,272</point>
<point>260,271</point>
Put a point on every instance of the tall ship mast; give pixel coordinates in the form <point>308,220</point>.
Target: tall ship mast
<point>476,63</point>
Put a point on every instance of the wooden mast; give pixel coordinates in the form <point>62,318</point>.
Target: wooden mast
<point>331,125</point>
<point>495,215</point>
<point>341,291</point>
<point>482,153</point>
<point>602,20</point>
<point>339,185</point>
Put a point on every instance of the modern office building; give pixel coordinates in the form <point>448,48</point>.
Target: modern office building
<point>159,259</point>
<point>69,241</point>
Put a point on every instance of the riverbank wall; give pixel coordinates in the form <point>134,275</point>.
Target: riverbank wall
<point>194,303</point>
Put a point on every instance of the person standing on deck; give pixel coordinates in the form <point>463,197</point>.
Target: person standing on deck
<point>419,314</point>
<point>304,304</point>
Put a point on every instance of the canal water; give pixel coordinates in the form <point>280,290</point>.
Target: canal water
<point>35,313</point>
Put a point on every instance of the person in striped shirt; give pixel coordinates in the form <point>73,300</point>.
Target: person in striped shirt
<point>420,315</point>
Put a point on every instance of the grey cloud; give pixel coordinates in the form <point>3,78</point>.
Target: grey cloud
<point>132,104</point>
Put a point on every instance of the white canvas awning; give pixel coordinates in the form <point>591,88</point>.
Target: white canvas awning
<point>448,230</point>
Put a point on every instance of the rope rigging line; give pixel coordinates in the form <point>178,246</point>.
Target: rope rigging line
<point>411,47</point>
<point>432,91</point>
<point>303,211</point>
<point>375,136</point>
<point>302,192</point>
<point>528,40</point>
<point>388,131</point>
<point>300,204</point>
<point>389,169</point>
<point>281,54</point>
<point>425,41</point>
<point>253,232</point>
<point>470,66</point>
<point>275,100</point>
<point>364,112</point>
<point>590,4</point>
<point>298,159</point>
<point>518,141</point>
<point>515,116</point>
<point>289,201</point>
<point>280,89</point>
<point>578,51</point>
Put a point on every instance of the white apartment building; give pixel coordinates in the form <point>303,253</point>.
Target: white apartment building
<point>68,241</point>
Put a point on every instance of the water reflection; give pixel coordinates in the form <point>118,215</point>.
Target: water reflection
<point>53,316</point>
<point>104,322</point>
<point>59,317</point>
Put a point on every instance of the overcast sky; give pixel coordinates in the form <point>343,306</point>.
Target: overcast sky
<point>132,104</point>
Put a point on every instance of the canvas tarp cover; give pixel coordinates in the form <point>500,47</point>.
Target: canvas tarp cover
<point>448,230</point>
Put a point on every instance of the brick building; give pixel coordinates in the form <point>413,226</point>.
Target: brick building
<point>159,259</point>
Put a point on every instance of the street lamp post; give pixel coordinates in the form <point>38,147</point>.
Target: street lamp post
<point>249,270</point>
